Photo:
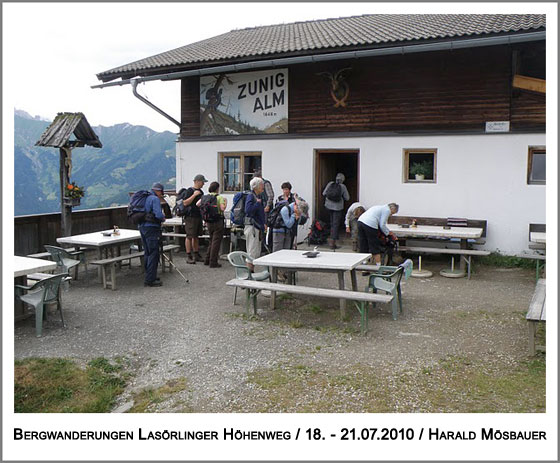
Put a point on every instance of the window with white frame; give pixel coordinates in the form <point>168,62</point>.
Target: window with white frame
<point>237,169</point>
<point>419,165</point>
<point>536,166</point>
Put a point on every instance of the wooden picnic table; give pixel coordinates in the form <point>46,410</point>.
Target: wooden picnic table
<point>433,231</point>
<point>327,262</point>
<point>102,241</point>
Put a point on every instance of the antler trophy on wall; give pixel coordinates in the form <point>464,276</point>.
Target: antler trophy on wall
<point>339,87</point>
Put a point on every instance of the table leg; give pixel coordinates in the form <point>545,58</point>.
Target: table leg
<point>354,280</point>
<point>464,245</point>
<point>274,278</point>
<point>342,301</point>
<point>99,271</point>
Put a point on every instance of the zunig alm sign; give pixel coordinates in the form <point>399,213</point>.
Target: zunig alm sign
<point>244,103</point>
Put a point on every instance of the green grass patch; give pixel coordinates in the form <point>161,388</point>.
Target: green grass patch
<point>56,385</point>
<point>455,384</point>
<point>496,259</point>
<point>317,309</point>
<point>147,400</point>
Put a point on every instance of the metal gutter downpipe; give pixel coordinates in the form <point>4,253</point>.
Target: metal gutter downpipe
<point>134,83</point>
<point>438,46</point>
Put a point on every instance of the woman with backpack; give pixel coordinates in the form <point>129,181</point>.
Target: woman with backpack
<point>282,219</point>
<point>212,207</point>
<point>335,194</point>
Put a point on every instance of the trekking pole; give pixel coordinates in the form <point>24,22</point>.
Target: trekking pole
<point>171,262</point>
<point>175,267</point>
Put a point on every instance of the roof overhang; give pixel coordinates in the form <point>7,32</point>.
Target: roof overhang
<point>449,45</point>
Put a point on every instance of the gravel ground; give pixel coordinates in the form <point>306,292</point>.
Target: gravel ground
<point>194,331</point>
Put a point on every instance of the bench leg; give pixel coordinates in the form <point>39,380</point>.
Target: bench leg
<point>103,272</point>
<point>113,277</point>
<point>170,260</point>
<point>342,301</point>
<point>467,260</point>
<point>532,331</point>
<point>251,300</point>
<point>362,307</point>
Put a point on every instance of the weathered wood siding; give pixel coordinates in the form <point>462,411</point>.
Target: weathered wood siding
<point>438,91</point>
<point>32,232</point>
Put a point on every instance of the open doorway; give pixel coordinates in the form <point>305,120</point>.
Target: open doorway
<point>328,163</point>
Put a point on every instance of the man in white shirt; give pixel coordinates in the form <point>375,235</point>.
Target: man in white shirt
<point>351,222</point>
<point>370,223</point>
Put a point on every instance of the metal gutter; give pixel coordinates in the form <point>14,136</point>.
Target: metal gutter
<point>400,50</point>
<point>134,83</point>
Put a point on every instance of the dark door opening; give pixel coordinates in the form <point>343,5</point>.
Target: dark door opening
<point>328,163</point>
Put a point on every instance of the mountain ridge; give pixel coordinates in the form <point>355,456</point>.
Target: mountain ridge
<point>132,158</point>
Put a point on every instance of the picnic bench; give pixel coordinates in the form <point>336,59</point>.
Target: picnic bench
<point>536,312</point>
<point>360,299</point>
<point>111,264</point>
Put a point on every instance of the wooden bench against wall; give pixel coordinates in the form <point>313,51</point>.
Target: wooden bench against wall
<point>464,254</point>
<point>441,222</point>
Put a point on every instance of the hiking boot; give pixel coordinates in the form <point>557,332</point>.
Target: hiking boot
<point>198,257</point>
<point>153,283</point>
<point>215,265</point>
<point>190,259</point>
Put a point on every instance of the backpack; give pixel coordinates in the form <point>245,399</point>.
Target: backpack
<point>274,219</point>
<point>334,192</point>
<point>209,208</point>
<point>180,209</point>
<point>238,208</point>
<point>136,211</point>
<point>318,233</point>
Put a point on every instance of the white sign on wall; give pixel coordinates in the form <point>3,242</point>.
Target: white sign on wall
<point>497,126</point>
<point>244,103</point>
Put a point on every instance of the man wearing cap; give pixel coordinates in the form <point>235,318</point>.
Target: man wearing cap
<point>193,219</point>
<point>150,231</point>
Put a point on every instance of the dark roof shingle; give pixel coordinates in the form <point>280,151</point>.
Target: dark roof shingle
<point>327,35</point>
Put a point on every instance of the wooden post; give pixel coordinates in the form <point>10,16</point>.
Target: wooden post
<point>65,211</point>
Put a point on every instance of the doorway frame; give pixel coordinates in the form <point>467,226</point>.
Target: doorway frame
<point>317,196</point>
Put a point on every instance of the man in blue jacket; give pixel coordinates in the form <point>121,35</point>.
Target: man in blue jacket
<point>150,230</point>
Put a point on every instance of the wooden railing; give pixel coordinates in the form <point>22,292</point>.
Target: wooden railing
<point>32,232</point>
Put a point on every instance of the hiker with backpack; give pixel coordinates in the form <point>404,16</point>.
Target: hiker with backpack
<point>212,207</point>
<point>267,194</point>
<point>287,195</point>
<point>150,231</point>
<point>370,223</point>
<point>351,222</point>
<point>193,219</point>
<point>255,224</point>
<point>335,194</point>
<point>282,219</point>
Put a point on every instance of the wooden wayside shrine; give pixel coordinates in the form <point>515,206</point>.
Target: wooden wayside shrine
<point>57,135</point>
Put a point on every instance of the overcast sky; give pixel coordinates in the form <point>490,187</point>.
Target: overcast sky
<point>53,51</point>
